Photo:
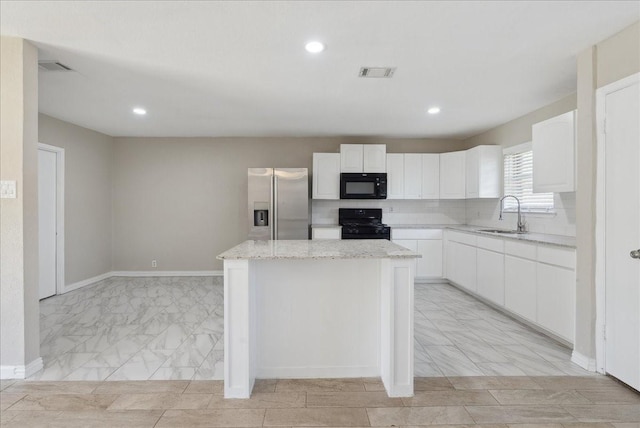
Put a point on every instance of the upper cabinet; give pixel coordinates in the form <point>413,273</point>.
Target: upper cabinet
<point>484,174</point>
<point>326,176</point>
<point>363,157</point>
<point>452,175</point>
<point>554,154</point>
<point>413,176</point>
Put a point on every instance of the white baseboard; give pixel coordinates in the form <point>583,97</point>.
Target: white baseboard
<point>126,273</point>
<point>583,361</point>
<point>152,273</point>
<point>317,372</point>
<point>21,372</point>
<point>85,282</point>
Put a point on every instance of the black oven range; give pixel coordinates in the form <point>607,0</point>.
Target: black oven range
<point>363,223</point>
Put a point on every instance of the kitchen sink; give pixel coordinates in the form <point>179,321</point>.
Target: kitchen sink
<point>506,232</point>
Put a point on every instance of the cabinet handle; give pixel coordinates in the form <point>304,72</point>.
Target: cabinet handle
<point>635,254</point>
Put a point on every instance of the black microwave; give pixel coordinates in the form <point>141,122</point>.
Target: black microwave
<point>362,185</point>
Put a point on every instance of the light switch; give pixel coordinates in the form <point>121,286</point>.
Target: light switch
<point>7,189</point>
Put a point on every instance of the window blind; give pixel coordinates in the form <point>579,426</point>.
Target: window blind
<point>518,181</point>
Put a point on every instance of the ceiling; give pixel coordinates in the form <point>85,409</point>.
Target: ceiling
<point>239,68</point>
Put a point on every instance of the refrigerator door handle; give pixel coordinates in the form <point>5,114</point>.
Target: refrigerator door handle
<point>274,203</point>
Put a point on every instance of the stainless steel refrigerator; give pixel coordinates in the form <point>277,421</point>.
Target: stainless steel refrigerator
<point>278,203</point>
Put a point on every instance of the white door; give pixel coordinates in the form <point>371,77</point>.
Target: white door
<point>47,221</point>
<point>622,234</point>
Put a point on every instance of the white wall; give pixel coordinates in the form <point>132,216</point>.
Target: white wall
<point>19,310</point>
<point>88,196</point>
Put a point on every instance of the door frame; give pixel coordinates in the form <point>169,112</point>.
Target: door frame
<point>59,152</point>
<point>600,265</point>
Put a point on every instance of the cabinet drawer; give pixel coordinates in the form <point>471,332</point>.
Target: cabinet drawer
<point>463,238</point>
<point>493,244</point>
<point>520,249</point>
<point>564,257</point>
<point>326,233</point>
<point>398,233</point>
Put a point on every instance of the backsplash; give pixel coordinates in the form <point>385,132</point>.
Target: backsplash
<point>485,212</point>
<point>394,211</point>
<point>477,212</point>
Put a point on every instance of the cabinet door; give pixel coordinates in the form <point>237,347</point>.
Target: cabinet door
<point>351,158</point>
<point>490,171</point>
<point>326,233</point>
<point>395,176</point>
<point>466,266</point>
<point>326,176</point>
<point>491,275</point>
<point>452,175</point>
<point>430,176</point>
<point>553,154</point>
<point>412,176</point>
<point>430,265</point>
<point>472,166</point>
<point>374,158</point>
<point>520,286</point>
<point>556,300</point>
<point>410,244</point>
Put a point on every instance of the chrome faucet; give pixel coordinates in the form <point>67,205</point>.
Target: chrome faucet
<point>522,227</point>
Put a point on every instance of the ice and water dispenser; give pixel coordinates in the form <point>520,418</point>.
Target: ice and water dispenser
<point>261,214</point>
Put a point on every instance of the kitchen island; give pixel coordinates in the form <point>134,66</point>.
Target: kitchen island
<point>318,309</point>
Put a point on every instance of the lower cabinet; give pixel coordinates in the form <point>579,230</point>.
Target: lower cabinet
<point>534,281</point>
<point>326,232</point>
<point>490,269</point>
<point>427,243</point>
<point>520,286</point>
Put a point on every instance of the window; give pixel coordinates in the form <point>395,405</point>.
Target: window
<point>518,181</point>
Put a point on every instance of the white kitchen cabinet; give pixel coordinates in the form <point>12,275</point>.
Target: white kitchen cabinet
<point>556,287</point>
<point>426,242</point>
<point>351,158</point>
<point>520,286</point>
<point>374,158</point>
<point>430,176</point>
<point>430,265</point>
<point>490,270</point>
<point>326,176</point>
<point>412,176</point>
<point>395,176</point>
<point>363,157</point>
<point>452,175</point>
<point>325,232</point>
<point>484,175</point>
<point>554,154</point>
<point>461,259</point>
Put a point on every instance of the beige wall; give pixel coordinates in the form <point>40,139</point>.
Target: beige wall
<point>19,310</point>
<point>88,186</point>
<point>618,56</point>
<point>518,130</point>
<point>610,60</point>
<point>182,201</point>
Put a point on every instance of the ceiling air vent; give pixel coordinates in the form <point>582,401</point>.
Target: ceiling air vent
<point>377,71</point>
<point>53,66</point>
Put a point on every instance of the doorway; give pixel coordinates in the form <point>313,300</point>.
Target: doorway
<point>618,230</point>
<point>50,220</point>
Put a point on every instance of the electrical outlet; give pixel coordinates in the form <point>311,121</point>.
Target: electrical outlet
<point>8,189</point>
<point>154,264</point>
<point>390,209</point>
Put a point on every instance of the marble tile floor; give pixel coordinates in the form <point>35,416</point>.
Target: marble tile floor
<point>171,328</point>
<point>483,401</point>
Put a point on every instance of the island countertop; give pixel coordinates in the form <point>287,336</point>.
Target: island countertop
<point>318,249</point>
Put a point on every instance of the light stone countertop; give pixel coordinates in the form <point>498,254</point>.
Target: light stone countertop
<point>319,249</point>
<point>538,238</point>
<point>326,226</point>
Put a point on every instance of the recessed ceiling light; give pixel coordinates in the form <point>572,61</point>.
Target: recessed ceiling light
<point>314,47</point>
<point>434,110</point>
<point>139,111</point>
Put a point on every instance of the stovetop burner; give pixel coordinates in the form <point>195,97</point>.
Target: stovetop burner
<point>360,223</point>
